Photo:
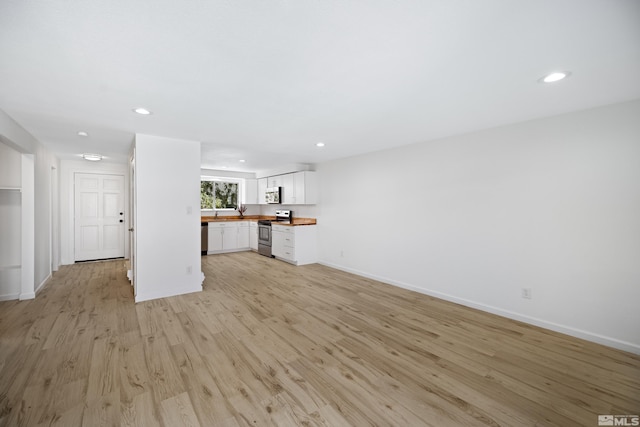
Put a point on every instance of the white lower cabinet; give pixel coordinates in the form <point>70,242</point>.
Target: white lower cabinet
<point>228,237</point>
<point>253,235</point>
<point>215,238</point>
<point>283,244</point>
<point>296,245</point>
<point>243,235</point>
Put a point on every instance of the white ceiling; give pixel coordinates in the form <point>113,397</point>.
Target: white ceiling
<point>265,80</point>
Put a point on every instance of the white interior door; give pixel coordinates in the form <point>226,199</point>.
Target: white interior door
<point>99,216</point>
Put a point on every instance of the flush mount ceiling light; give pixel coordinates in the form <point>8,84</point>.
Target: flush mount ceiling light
<point>556,76</point>
<point>320,144</point>
<point>142,111</point>
<point>92,157</point>
<point>242,160</point>
<point>83,133</point>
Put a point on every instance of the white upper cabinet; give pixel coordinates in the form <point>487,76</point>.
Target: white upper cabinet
<point>251,192</point>
<point>288,190</point>
<point>274,181</point>
<point>298,188</point>
<point>305,188</point>
<point>262,190</point>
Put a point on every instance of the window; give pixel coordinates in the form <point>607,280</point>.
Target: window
<point>219,194</point>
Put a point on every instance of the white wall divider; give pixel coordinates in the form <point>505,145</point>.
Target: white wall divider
<point>28,227</point>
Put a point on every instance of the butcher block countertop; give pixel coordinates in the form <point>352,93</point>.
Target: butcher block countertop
<point>294,221</point>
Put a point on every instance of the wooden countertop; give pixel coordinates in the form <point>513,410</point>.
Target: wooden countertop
<point>233,218</point>
<point>294,221</point>
<point>298,221</point>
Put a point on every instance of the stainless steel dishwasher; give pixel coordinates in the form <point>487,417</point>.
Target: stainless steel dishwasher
<point>204,238</point>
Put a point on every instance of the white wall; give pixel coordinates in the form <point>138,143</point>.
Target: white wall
<point>167,221</point>
<point>14,135</point>
<point>10,161</point>
<point>9,229</point>
<point>551,204</point>
<point>44,205</point>
<point>227,174</point>
<point>28,227</point>
<point>68,169</point>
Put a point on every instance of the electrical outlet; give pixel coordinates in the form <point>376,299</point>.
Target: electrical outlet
<point>342,254</point>
<point>526,293</point>
<point>189,269</point>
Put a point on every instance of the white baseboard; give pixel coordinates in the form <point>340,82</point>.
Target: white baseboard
<point>9,297</point>
<point>164,293</point>
<point>41,285</point>
<point>32,295</point>
<point>568,330</point>
<point>228,251</point>
<point>27,295</point>
<point>127,266</point>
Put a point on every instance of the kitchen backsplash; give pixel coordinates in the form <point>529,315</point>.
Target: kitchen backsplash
<point>299,211</point>
<point>251,210</point>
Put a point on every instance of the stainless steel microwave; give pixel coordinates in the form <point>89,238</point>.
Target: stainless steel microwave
<point>272,195</point>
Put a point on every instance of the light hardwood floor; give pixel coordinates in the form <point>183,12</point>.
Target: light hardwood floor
<point>267,343</point>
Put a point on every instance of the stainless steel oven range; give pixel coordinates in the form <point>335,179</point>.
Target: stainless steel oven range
<point>264,231</point>
<point>264,238</point>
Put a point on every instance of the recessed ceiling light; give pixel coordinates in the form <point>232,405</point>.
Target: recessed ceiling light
<point>142,111</point>
<point>320,144</point>
<point>92,157</point>
<point>242,160</point>
<point>224,167</point>
<point>555,76</point>
<point>83,133</point>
